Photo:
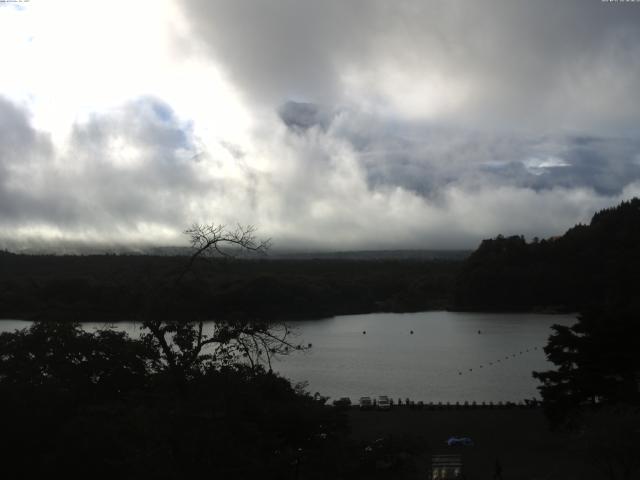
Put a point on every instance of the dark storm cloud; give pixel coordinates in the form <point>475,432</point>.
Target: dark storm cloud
<point>425,158</point>
<point>573,63</point>
<point>22,151</point>
<point>303,115</point>
<point>280,50</point>
<point>18,140</point>
<point>605,164</point>
<point>462,104</point>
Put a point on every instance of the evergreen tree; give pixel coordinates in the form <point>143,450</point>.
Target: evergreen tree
<point>598,363</point>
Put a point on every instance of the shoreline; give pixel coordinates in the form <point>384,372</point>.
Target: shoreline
<point>110,318</point>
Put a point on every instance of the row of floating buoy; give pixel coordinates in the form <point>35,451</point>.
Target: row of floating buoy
<point>508,357</point>
<point>364,332</point>
<point>500,360</point>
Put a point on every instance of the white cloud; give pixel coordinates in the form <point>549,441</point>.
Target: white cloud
<point>424,124</point>
<point>71,58</point>
<point>539,166</point>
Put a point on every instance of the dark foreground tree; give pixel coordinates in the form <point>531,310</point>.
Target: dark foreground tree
<point>598,364</point>
<point>61,357</point>
<point>612,436</point>
<point>100,405</point>
<point>191,397</point>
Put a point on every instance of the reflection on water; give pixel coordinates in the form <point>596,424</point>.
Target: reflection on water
<point>450,356</point>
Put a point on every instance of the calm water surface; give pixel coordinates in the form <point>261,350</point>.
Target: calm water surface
<point>445,359</point>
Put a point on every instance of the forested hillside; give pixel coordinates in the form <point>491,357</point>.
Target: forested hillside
<point>595,264</point>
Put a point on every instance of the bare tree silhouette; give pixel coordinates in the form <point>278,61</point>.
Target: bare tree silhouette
<point>189,346</point>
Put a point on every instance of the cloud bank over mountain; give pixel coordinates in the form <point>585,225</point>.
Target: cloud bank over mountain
<point>337,125</point>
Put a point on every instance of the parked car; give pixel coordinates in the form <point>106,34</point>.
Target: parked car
<point>365,403</point>
<point>384,403</point>
<point>460,442</point>
<point>343,402</point>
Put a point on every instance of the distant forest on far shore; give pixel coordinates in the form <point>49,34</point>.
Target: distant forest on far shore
<point>120,287</point>
<point>591,264</point>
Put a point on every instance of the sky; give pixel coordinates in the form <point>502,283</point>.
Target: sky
<point>333,125</point>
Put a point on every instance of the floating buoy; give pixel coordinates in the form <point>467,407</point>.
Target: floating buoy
<point>411,332</point>
<point>364,332</point>
<point>471,369</point>
<point>459,373</point>
<point>479,332</point>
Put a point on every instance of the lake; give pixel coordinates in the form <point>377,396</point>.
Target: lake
<point>451,356</point>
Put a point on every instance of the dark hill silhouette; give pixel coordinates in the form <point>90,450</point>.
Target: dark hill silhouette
<point>117,287</point>
<point>595,264</point>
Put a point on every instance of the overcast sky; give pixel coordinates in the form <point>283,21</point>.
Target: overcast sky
<point>334,124</point>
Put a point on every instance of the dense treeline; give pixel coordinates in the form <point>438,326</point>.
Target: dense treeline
<point>101,405</point>
<point>589,266</point>
<point>119,287</point>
